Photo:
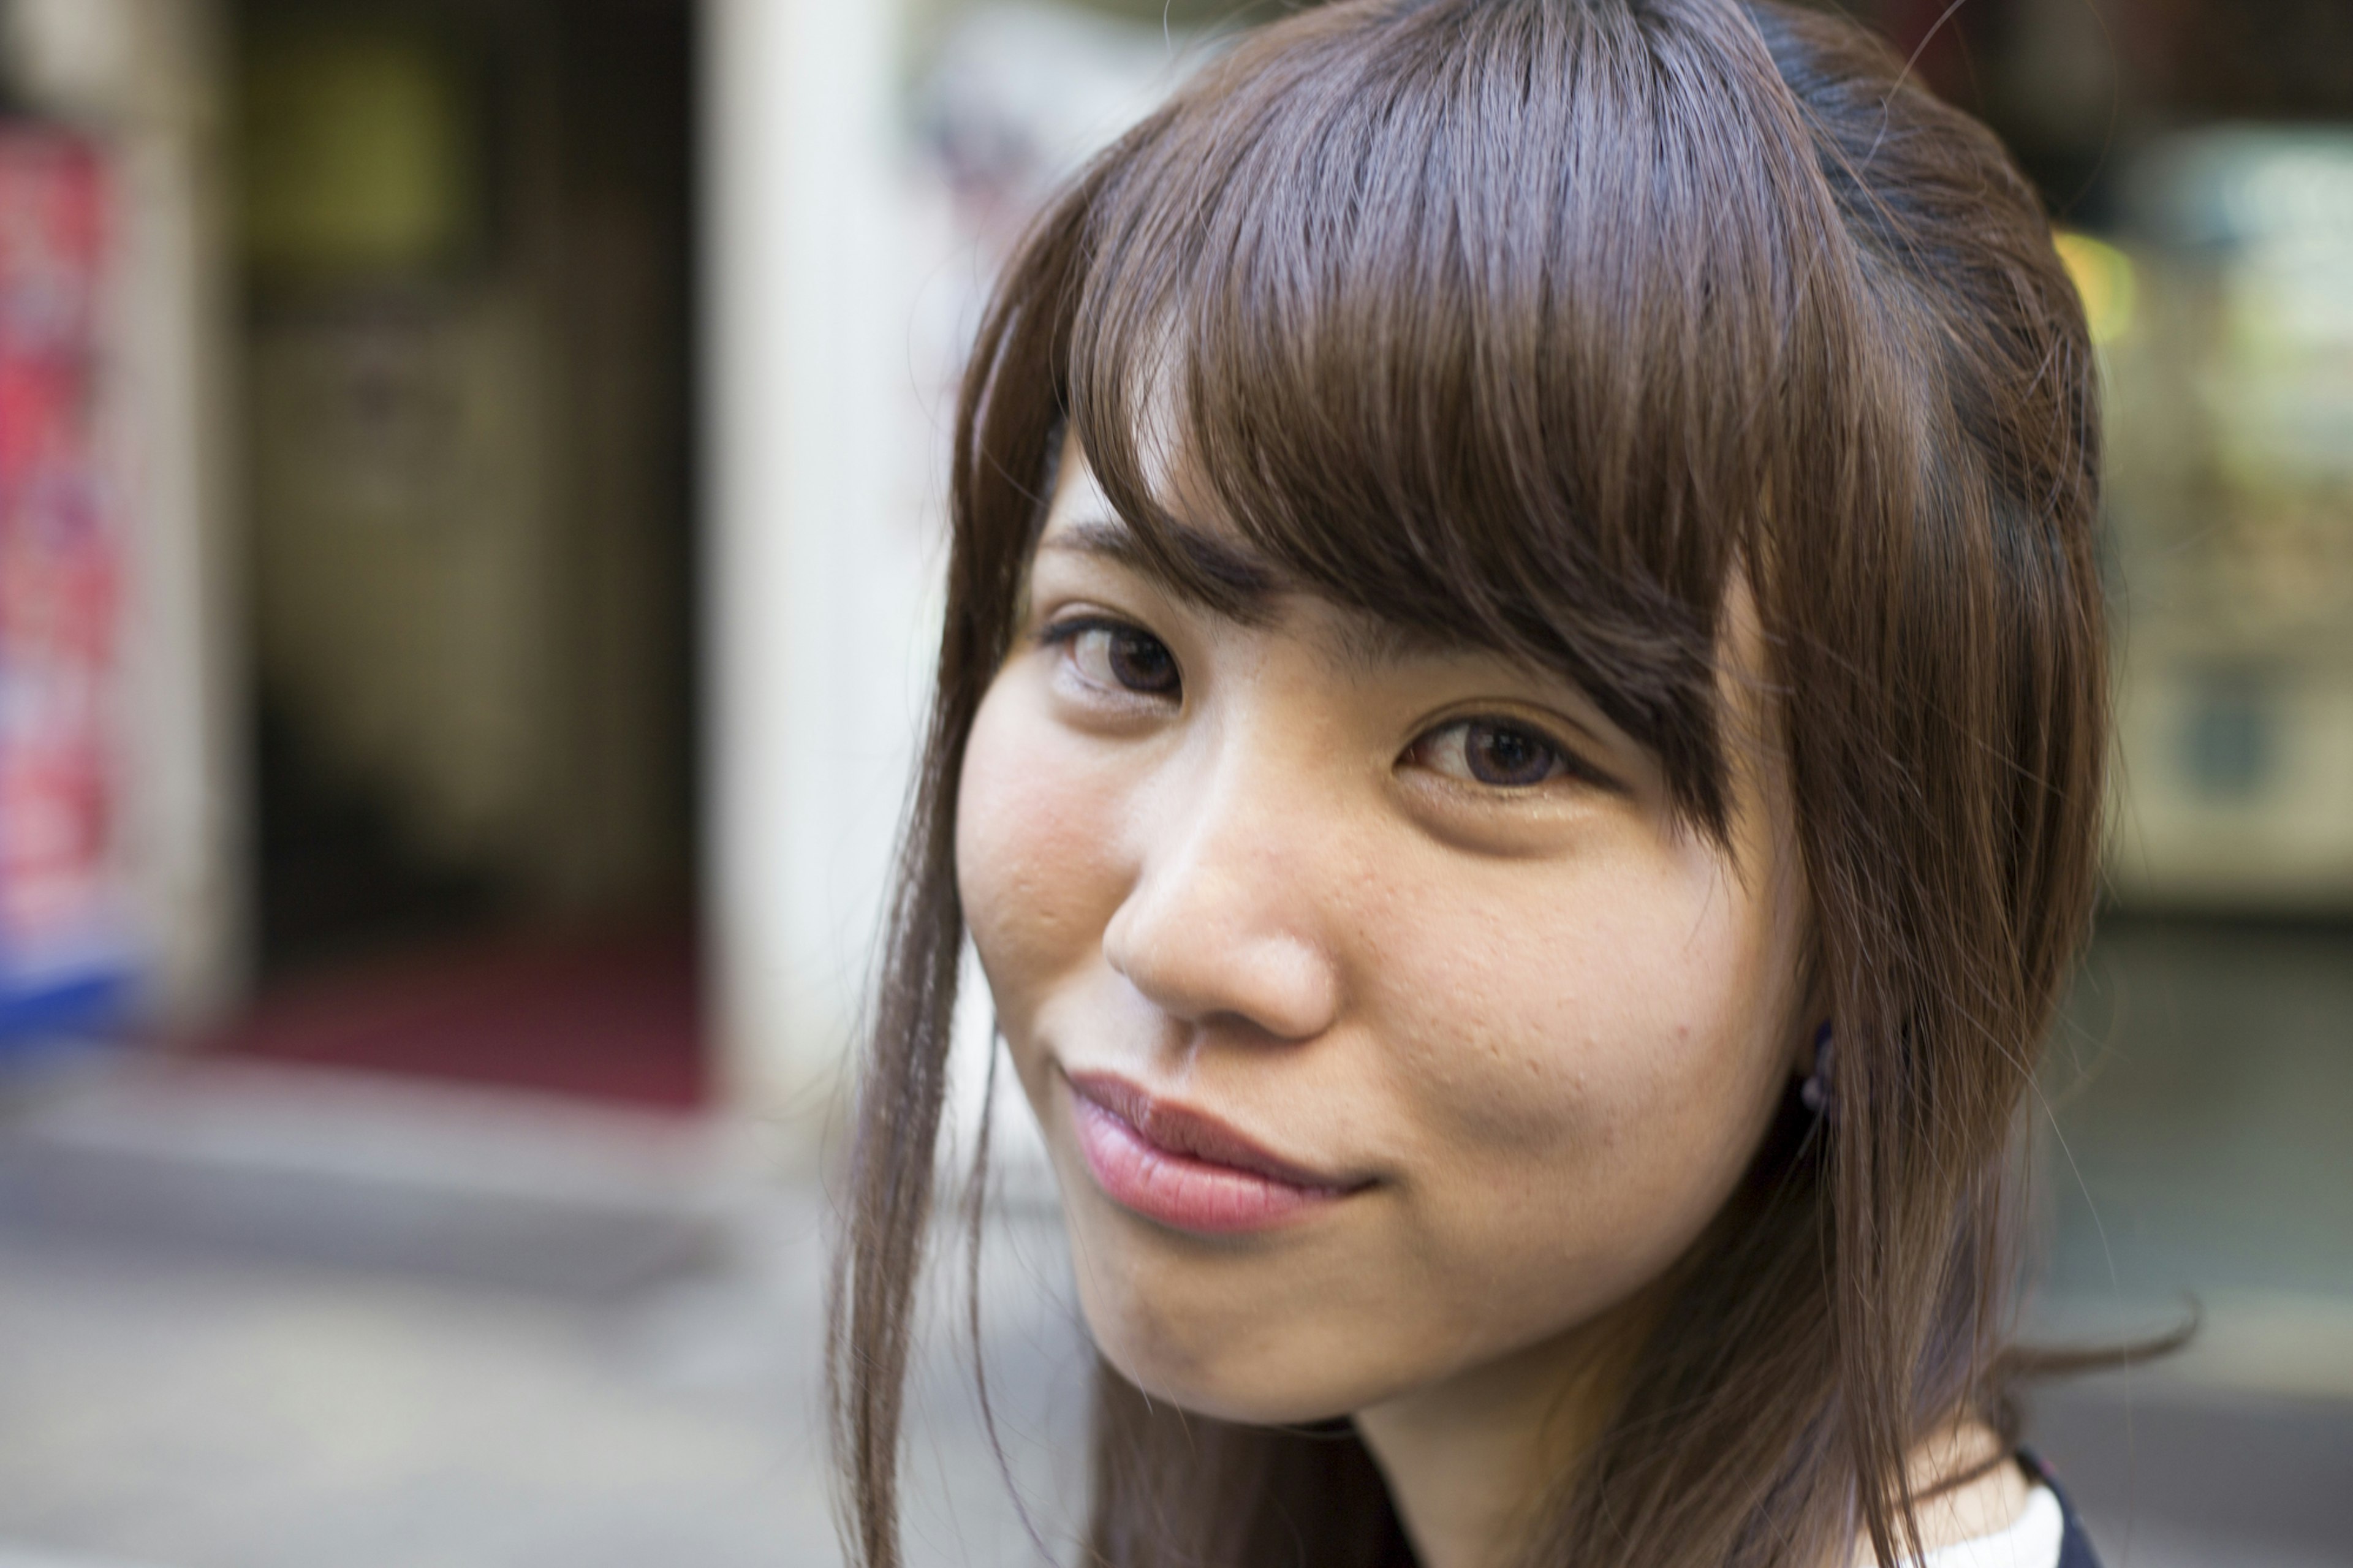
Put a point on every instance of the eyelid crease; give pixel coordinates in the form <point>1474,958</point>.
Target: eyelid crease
<point>1063,630</point>
<point>1067,627</point>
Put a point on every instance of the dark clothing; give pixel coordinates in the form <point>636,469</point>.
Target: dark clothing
<point>2075,1546</point>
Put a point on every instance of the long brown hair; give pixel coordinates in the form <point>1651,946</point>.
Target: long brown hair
<point>1532,323</point>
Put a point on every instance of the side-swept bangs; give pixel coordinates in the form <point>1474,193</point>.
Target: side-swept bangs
<point>1499,364</point>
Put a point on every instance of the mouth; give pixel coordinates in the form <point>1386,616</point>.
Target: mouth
<point>1186,1169</point>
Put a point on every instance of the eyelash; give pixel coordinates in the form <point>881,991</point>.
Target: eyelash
<point>1065,635</point>
<point>1057,633</point>
<point>1567,763</point>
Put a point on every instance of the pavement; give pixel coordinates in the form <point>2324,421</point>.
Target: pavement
<point>286,1336</point>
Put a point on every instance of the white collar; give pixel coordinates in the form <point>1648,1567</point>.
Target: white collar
<point>2032,1541</point>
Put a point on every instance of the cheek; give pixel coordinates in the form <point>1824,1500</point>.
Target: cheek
<point>1037,862</point>
<point>1591,1070</point>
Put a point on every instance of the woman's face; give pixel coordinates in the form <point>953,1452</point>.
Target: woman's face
<point>1382,1020</point>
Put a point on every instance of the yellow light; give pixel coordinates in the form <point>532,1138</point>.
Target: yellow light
<point>2105,278</point>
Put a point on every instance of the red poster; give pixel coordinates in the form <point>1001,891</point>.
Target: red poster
<point>60,590</point>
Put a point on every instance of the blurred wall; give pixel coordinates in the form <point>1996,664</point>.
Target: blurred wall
<point>818,552</point>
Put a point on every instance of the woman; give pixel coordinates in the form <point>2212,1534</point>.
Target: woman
<point>1519,737</point>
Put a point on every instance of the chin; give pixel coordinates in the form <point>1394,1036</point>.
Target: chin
<point>1239,1357</point>
<point>1224,1389</point>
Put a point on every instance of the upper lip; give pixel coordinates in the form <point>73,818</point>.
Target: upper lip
<point>1194,1134</point>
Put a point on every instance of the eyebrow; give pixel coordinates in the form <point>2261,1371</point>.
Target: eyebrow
<point>1237,581</point>
<point>1220,575</point>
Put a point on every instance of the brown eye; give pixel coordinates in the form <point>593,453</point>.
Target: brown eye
<point>1500,754</point>
<point>1109,654</point>
<point>1491,751</point>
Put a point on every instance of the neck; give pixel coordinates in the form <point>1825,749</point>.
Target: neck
<point>1466,1459</point>
<point>1469,1461</point>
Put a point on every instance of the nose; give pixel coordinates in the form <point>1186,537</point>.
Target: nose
<point>1223,926</point>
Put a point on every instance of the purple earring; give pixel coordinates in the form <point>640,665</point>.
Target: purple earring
<point>1815,1092</point>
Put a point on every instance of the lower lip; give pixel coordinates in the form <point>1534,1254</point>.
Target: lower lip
<point>1180,1192</point>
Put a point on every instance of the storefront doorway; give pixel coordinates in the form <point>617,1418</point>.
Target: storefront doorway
<point>466,272</point>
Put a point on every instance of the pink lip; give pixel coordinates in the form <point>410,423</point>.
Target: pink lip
<point>1184,1168</point>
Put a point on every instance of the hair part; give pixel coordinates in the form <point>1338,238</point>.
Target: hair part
<point>1530,323</point>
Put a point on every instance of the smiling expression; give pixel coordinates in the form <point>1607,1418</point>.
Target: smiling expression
<point>1384,1020</point>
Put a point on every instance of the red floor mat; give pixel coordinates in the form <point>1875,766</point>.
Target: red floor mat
<point>612,1018</point>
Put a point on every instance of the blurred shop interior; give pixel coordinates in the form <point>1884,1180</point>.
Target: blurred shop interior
<point>470,524</point>
<point>464,272</point>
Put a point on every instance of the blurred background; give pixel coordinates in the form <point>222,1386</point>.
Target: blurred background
<point>470,524</point>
